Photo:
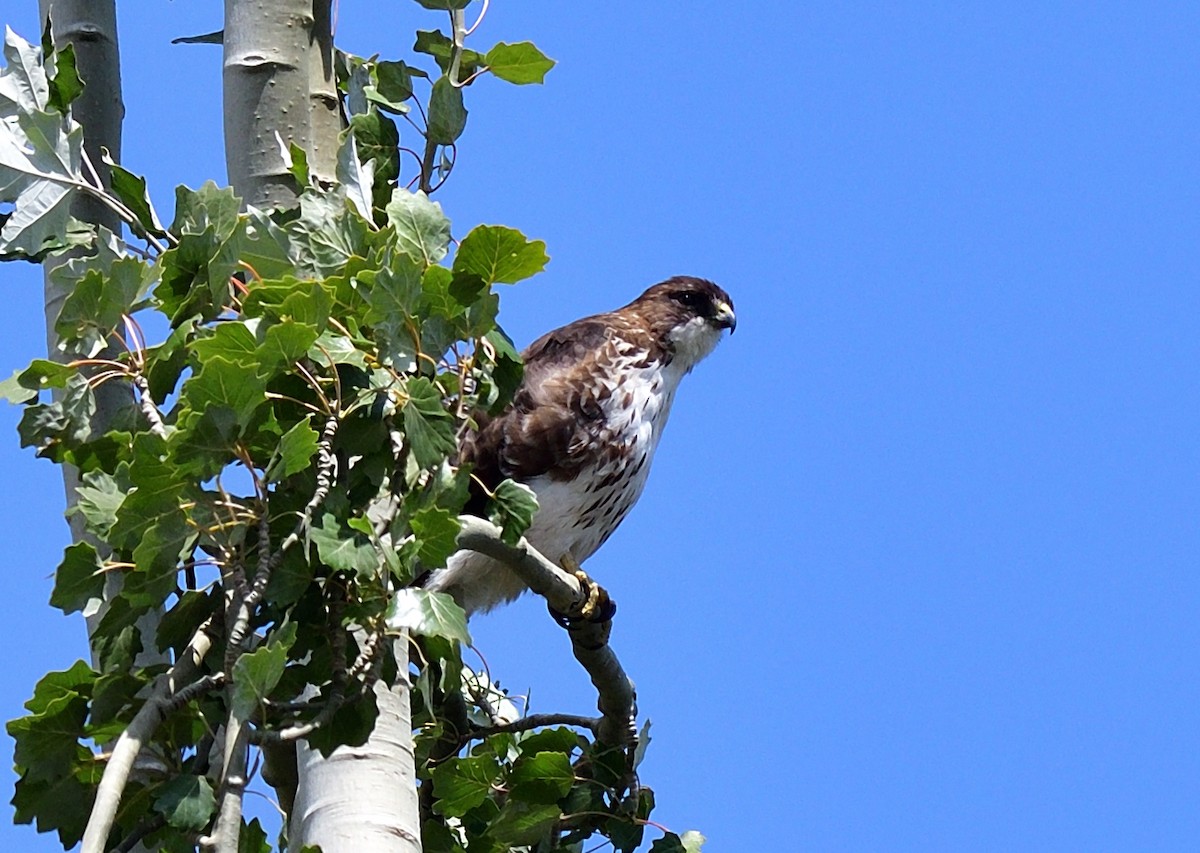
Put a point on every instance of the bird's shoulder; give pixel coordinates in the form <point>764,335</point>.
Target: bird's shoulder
<point>553,425</point>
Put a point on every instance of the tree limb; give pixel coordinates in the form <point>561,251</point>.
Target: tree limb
<point>178,679</point>
<point>537,721</point>
<point>566,593</point>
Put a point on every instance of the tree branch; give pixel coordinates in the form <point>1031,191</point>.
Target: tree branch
<point>228,827</point>
<point>178,680</point>
<point>537,721</point>
<point>616,697</point>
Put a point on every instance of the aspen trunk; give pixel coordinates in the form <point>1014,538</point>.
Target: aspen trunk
<point>279,79</point>
<point>90,26</point>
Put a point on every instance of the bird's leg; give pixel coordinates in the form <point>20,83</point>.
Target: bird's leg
<point>597,606</point>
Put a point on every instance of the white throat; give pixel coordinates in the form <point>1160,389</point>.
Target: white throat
<point>692,341</point>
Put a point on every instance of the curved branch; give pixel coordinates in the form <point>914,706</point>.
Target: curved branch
<point>178,681</point>
<point>616,697</point>
<point>537,721</point>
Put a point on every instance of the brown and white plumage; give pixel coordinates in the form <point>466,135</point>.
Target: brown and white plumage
<point>584,424</point>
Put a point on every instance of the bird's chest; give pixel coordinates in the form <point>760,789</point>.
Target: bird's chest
<point>579,515</point>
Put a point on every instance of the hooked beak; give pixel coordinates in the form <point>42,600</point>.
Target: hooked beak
<point>725,318</point>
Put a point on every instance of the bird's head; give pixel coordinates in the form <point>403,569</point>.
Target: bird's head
<point>688,314</point>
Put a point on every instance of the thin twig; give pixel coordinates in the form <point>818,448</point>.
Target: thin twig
<point>458,27</point>
<point>478,20</point>
<point>326,470</point>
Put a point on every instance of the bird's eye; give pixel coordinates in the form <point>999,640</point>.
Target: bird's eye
<point>688,298</point>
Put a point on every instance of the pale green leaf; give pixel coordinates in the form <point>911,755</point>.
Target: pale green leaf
<point>428,614</point>
<point>499,254</point>
<point>422,230</point>
<point>512,508</point>
<point>256,673</point>
<point>518,63</point>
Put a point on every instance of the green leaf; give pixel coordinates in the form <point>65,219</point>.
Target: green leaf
<point>342,548</point>
<point>544,777</point>
<point>447,115</point>
<point>40,156</point>
<point>518,63</point>
<point>422,230</point>
<point>522,824</point>
<point>156,559</point>
<point>253,839</point>
<point>507,369</point>
<point>445,4</point>
<point>643,743</point>
<point>428,614</point>
<point>499,254</point>
<point>232,341</point>
<point>557,739</point>
<point>438,45</point>
<point>305,302</point>
<point>327,234</point>
<point>295,159</point>
<point>205,442</point>
<point>55,688</point>
<point>393,86</point>
<point>196,272</point>
<point>99,497</point>
<point>263,246</point>
<point>285,343</point>
<point>223,382</point>
<point>14,392</point>
<point>296,449</point>
<point>210,210</point>
<point>428,427</point>
<point>157,490</point>
<point>690,842</point>
<point>461,784</point>
<point>437,533</point>
<point>78,579</point>
<point>166,362</point>
<point>290,579</point>
<point>47,739</point>
<point>131,189</point>
<point>41,374</point>
<point>187,802</point>
<point>23,83</point>
<point>65,422</point>
<point>378,140</point>
<point>512,508</point>
<point>337,349</point>
<point>65,85</point>
<point>393,292</point>
<point>99,299</point>
<point>351,725</point>
<point>61,805</point>
<point>256,673</point>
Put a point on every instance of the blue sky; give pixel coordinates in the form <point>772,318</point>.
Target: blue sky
<point>917,567</point>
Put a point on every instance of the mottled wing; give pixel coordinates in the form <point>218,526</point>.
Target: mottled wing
<point>554,422</point>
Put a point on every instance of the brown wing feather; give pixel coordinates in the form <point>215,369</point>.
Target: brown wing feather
<point>555,414</point>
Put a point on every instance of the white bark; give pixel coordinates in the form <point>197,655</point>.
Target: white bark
<point>170,687</point>
<point>364,799</point>
<point>278,79</point>
<point>91,27</point>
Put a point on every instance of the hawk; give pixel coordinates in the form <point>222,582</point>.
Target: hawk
<point>583,427</point>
